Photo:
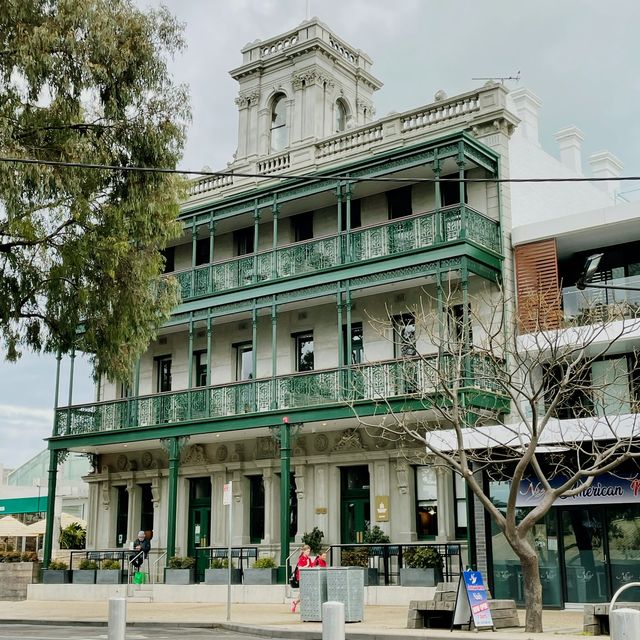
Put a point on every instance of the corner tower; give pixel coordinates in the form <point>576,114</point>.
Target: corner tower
<point>302,85</point>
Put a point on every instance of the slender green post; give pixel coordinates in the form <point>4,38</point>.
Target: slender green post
<point>174,462</point>
<point>461,192</point>
<point>51,504</point>
<point>437,223</point>
<point>347,305</point>
<point>136,393</point>
<point>341,247</point>
<point>347,235</point>
<point>209,374</point>
<point>212,235</point>
<point>194,241</point>
<point>256,238</point>
<point>56,397</point>
<point>274,244</point>
<point>343,391</point>
<point>285,489</point>
<point>190,365</point>
<point>274,355</point>
<point>254,353</point>
<point>70,401</point>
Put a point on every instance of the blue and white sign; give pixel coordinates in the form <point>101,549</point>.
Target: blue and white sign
<point>606,488</point>
<point>472,601</point>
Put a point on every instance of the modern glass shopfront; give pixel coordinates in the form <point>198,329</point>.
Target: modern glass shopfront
<point>588,546</point>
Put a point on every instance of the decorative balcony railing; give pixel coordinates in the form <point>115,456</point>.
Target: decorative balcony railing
<point>595,305</point>
<point>380,381</point>
<point>391,238</point>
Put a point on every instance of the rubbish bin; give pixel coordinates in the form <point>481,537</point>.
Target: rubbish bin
<point>624,624</point>
<point>313,592</point>
<point>346,585</point>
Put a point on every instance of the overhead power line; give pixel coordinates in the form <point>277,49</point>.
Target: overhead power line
<point>301,177</point>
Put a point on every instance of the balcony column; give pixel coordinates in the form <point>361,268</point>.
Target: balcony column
<point>348,356</point>
<point>190,355</point>
<point>209,354</point>
<point>461,191</point>
<point>70,400</point>
<point>440,303</point>
<point>437,235</point>
<point>136,393</point>
<point>341,247</point>
<point>347,234</point>
<point>55,456</point>
<point>274,355</point>
<point>274,243</point>
<point>256,239</point>
<point>173,447</point>
<point>254,353</point>
<point>194,242</point>
<point>339,305</point>
<point>212,235</point>
<point>99,388</point>
<point>56,394</point>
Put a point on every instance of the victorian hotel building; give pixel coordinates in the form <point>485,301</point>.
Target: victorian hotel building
<point>274,352</point>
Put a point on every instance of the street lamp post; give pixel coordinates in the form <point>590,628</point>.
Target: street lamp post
<point>590,267</point>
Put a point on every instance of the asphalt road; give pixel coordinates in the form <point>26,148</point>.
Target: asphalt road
<point>84,632</point>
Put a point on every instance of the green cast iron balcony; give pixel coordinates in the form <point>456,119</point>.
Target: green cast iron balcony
<point>410,377</point>
<point>377,241</point>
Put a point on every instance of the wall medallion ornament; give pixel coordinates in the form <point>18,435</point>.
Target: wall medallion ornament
<point>121,462</point>
<point>222,453</point>
<point>146,460</point>
<point>321,442</point>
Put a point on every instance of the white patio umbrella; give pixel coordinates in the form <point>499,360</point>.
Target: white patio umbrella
<point>39,528</point>
<point>12,528</point>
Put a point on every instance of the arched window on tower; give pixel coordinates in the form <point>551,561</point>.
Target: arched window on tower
<point>341,116</point>
<point>279,128</point>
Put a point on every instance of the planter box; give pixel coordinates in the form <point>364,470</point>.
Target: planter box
<point>83,576</point>
<point>221,576</point>
<point>108,576</point>
<point>179,576</point>
<point>420,577</point>
<point>55,576</point>
<point>260,576</point>
<point>14,578</point>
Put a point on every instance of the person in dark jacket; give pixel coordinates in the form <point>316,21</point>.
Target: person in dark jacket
<point>140,545</point>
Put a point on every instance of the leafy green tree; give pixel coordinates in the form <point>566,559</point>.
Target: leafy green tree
<point>87,82</point>
<point>73,536</point>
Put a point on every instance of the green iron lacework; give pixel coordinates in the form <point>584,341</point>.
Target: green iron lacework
<point>391,239</point>
<point>374,382</point>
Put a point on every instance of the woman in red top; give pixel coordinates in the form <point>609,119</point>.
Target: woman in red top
<point>321,560</point>
<point>304,561</point>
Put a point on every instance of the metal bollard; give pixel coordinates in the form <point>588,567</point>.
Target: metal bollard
<point>117,619</point>
<point>624,624</point>
<point>332,621</point>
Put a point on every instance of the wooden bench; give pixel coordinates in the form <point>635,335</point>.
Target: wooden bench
<point>438,613</point>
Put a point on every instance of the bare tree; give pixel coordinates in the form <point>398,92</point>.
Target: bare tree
<point>490,398</point>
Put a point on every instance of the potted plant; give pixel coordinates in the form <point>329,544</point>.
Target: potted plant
<point>85,573</point>
<point>263,571</point>
<point>218,572</point>
<point>180,570</point>
<point>57,573</point>
<point>314,539</point>
<point>422,567</point>
<point>374,536</point>
<point>110,572</point>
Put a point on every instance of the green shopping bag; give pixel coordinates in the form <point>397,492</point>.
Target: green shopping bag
<point>139,577</point>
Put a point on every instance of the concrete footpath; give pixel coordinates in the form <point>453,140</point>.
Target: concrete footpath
<point>267,620</point>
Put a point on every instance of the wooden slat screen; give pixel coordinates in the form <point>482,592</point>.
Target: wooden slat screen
<point>537,286</point>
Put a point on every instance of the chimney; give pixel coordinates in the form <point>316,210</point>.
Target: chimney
<point>527,106</point>
<point>570,142</point>
<point>605,165</point>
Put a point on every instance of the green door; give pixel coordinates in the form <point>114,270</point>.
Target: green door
<point>199,520</point>
<point>355,511</point>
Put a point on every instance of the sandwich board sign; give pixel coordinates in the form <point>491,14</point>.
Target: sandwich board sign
<point>472,601</point>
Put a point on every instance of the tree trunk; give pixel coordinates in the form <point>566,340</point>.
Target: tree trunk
<point>532,592</point>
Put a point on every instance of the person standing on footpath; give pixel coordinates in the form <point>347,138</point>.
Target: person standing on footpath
<point>304,561</point>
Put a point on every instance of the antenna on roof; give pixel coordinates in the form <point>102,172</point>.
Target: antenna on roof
<point>502,78</point>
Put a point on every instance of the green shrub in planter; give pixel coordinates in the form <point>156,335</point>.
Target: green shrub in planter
<point>218,572</point>
<point>110,565</point>
<point>266,562</point>
<point>86,573</point>
<point>109,572</point>
<point>181,562</point>
<point>180,570</point>
<point>219,563</point>
<point>57,573</point>
<point>423,567</point>
<point>357,557</point>
<point>263,571</point>
<point>314,539</point>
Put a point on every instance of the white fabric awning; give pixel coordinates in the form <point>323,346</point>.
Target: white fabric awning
<point>12,528</point>
<point>38,528</point>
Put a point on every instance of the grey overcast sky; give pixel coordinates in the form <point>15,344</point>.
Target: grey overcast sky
<point>580,57</point>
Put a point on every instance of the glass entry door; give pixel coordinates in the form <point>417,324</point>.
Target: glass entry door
<point>584,550</point>
<point>355,511</point>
